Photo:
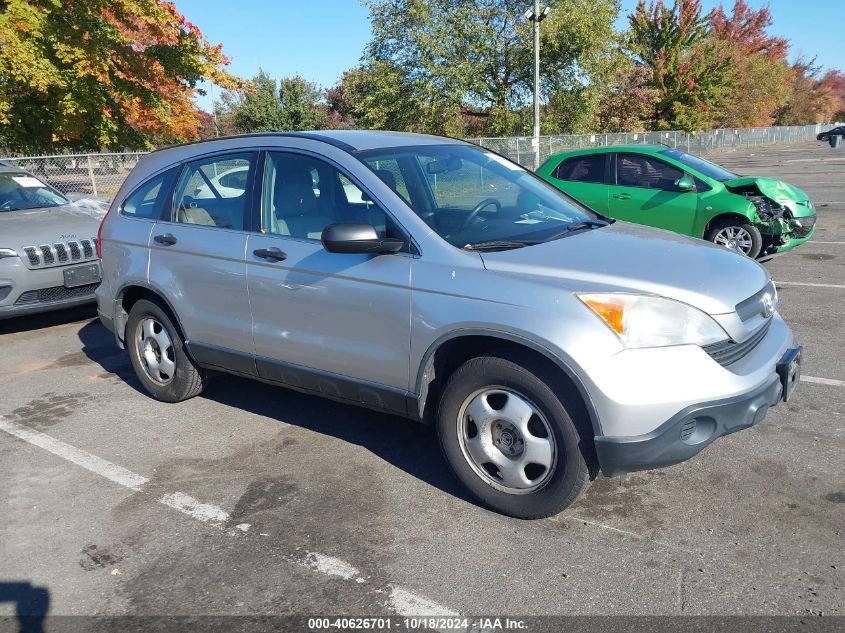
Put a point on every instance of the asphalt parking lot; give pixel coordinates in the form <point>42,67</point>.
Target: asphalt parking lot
<point>253,499</point>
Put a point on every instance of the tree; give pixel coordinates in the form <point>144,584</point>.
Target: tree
<point>807,96</point>
<point>267,105</point>
<point>691,77</point>
<point>760,73</point>
<point>833,83</point>
<point>466,65</point>
<point>629,102</point>
<point>101,73</point>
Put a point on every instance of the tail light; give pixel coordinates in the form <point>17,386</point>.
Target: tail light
<point>99,239</point>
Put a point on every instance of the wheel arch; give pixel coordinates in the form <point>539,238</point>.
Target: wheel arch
<point>452,349</point>
<point>722,216</point>
<point>132,292</point>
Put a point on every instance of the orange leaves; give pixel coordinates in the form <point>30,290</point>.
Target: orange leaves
<point>92,73</point>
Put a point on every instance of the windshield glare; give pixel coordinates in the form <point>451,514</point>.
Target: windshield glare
<point>470,196</point>
<point>703,167</point>
<point>22,191</point>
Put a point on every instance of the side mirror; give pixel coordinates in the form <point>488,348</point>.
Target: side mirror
<point>685,184</point>
<point>358,237</point>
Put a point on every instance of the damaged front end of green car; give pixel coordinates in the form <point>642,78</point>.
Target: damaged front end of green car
<point>785,215</point>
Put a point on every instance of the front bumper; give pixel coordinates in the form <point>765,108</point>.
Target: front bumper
<point>688,432</point>
<point>27,291</point>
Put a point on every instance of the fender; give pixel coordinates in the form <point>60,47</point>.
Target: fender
<point>562,361</point>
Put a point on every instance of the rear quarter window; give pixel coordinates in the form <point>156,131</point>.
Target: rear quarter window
<point>147,200</point>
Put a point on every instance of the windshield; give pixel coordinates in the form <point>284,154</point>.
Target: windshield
<point>703,167</point>
<point>470,196</point>
<point>22,191</point>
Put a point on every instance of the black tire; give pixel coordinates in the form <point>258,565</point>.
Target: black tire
<point>188,379</point>
<point>570,472</point>
<point>746,225</point>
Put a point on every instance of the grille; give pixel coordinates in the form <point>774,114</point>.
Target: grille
<point>59,253</point>
<point>56,293</point>
<point>688,429</point>
<point>729,352</point>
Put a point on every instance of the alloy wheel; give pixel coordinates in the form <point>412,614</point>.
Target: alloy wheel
<point>734,238</point>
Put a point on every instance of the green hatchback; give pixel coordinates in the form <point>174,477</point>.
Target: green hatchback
<point>670,189</point>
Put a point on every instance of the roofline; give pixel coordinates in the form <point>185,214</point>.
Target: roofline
<point>346,147</point>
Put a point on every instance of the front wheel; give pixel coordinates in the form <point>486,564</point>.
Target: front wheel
<point>737,235</point>
<point>510,440</point>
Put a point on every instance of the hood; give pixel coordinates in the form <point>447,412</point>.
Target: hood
<point>778,191</point>
<point>33,227</point>
<point>632,258</point>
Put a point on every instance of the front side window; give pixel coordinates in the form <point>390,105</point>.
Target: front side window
<point>638,170</point>
<point>302,195</point>
<point>469,195</point>
<point>702,166</point>
<point>213,191</point>
<point>19,190</point>
<point>582,169</point>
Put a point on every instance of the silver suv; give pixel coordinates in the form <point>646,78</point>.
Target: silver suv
<point>434,279</point>
<point>48,258</point>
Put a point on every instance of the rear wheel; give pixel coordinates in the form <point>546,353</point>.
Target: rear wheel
<point>509,438</point>
<point>158,356</point>
<point>737,235</point>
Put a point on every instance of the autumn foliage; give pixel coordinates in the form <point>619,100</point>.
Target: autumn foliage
<point>92,74</point>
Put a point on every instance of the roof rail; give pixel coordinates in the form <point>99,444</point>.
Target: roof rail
<point>314,137</point>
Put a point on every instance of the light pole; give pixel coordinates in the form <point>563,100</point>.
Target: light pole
<point>536,16</point>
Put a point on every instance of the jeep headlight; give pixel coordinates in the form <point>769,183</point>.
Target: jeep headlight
<point>649,321</point>
<point>7,252</point>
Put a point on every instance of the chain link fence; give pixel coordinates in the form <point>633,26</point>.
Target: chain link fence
<point>100,175</point>
<point>97,175</point>
<point>521,149</point>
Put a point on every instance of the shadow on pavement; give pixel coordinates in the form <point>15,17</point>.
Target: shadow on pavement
<point>40,321</point>
<point>31,604</point>
<point>408,445</point>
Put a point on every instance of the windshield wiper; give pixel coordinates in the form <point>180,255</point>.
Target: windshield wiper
<point>497,245</point>
<point>576,226</point>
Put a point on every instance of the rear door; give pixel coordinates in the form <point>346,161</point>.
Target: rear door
<point>645,191</point>
<point>197,259</point>
<point>584,178</point>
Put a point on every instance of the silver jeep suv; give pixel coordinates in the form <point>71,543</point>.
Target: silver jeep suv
<point>434,279</point>
<point>48,258</point>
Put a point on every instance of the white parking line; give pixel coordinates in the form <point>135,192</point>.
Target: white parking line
<point>807,283</point>
<point>402,601</point>
<point>409,604</point>
<point>823,242</point>
<point>331,566</point>
<point>186,504</point>
<point>823,381</point>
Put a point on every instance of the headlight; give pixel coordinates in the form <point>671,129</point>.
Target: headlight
<point>647,321</point>
<point>7,252</point>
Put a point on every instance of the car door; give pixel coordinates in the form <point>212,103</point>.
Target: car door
<point>337,323</point>
<point>197,261</point>
<point>645,191</point>
<point>584,178</point>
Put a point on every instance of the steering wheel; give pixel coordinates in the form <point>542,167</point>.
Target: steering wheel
<point>478,208</point>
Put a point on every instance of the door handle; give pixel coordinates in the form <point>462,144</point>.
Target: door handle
<point>273,254</point>
<point>622,196</point>
<point>166,239</point>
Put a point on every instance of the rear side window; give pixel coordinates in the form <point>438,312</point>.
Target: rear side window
<point>214,191</point>
<point>582,169</point>
<point>147,200</point>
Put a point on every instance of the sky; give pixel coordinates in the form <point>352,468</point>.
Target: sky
<point>320,39</point>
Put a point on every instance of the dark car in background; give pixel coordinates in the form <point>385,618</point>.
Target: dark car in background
<point>836,131</point>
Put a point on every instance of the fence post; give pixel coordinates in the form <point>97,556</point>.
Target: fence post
<point>91,175</point>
